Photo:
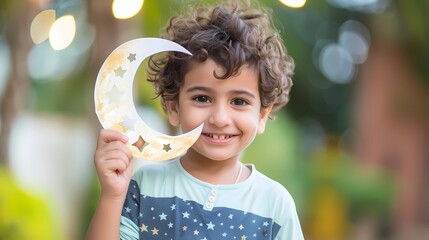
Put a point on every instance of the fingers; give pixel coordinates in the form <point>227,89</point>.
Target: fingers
<point>107,136</point>
<point>119,153</point>
<point>115,146</point>
<point>116,161</point>
<point>112,160</point>
<point>112,153</point>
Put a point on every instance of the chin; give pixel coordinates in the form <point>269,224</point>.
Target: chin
<point>219,157</point>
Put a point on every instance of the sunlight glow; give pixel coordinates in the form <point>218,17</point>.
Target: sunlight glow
<point>293,3</point>
<point>41,25</point>
<point>124,9</point>
<point>62,32</point>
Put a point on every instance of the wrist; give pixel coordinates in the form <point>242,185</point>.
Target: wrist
<point>113,198</point>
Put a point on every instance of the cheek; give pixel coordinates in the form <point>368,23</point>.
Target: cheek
<point>249,122</point>
<point>191,119</point>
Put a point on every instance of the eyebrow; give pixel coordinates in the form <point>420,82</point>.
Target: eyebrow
<point>198,88</point>
<point>206,89</point>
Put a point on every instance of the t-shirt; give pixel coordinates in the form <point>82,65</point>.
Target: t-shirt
<point>165,202</point>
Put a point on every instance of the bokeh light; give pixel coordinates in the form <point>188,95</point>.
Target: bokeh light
<point>124,9</point>
<point>365,6</point>
<point>58,65</point>
<point>336,63</point>
<point>293,3</point>
<point>355,37</point>
<point>62,32</point>
<point>41,25</point>
<point>47,68</point>
<point>337,60</point>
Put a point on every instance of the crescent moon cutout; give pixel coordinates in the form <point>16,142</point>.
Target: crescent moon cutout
<point>114,103</point>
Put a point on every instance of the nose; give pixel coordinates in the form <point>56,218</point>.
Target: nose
<point>220,115</point>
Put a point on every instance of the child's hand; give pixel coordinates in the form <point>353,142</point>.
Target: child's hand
<point>113,163</point>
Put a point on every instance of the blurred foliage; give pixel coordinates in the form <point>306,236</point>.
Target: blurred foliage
<point>5,6</point>
<point>24,216</point>
<point>414,31</point>
<point>301,29</point>
<point>90,205</point>
<point>313,95</point>
<point>275,154</point>
<point>68,96</point>
<point>342,193</point>
<point>365,190</point>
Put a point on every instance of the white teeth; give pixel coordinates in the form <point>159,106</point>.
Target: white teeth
<point>219,137</point>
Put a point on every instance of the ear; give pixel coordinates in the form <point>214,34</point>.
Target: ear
<point>172,108</point>
<point>263,117</point>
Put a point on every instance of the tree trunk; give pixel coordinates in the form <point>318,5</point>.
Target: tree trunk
<point>18,38</point>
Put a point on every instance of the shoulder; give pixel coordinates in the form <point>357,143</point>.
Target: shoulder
<point>276,197</point>
<point>270,187</point>
<point>153,170</point>
<point>281,205</point>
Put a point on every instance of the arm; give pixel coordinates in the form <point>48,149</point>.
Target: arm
<point>106,221</point>
<point>113,164</point>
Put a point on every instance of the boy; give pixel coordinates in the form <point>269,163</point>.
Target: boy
<point>237,77</point>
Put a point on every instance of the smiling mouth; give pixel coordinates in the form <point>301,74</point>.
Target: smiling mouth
<point>218,136</point>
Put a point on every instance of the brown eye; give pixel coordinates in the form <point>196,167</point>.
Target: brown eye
<point>239,102</point>
<point>202,99</point>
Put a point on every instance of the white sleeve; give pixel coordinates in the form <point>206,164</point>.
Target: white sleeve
<point>128,229</point>
<point>287,218</point>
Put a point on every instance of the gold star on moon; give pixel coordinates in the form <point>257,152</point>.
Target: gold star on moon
<point>119,72</point>
<point>154,231</point>
<point>131,57</point>
<point>143,228</point>
<point>166,147</point>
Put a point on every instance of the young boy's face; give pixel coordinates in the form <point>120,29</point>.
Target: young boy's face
<point>229,108</point>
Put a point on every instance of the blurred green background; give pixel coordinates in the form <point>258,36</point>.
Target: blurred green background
<point>352,146</point>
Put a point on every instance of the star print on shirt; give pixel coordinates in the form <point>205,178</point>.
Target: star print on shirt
<point>167,218</point>
<point>143,228</point>
<point>241,227</point>
<point>185,215</point>
<point>210,225</point>
<point>154,231</point>
<point>162,216</point>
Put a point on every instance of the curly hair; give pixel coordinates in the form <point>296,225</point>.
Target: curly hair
<point>232,35</point>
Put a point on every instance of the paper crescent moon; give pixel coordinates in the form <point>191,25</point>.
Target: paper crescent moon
<point>114,104</point>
